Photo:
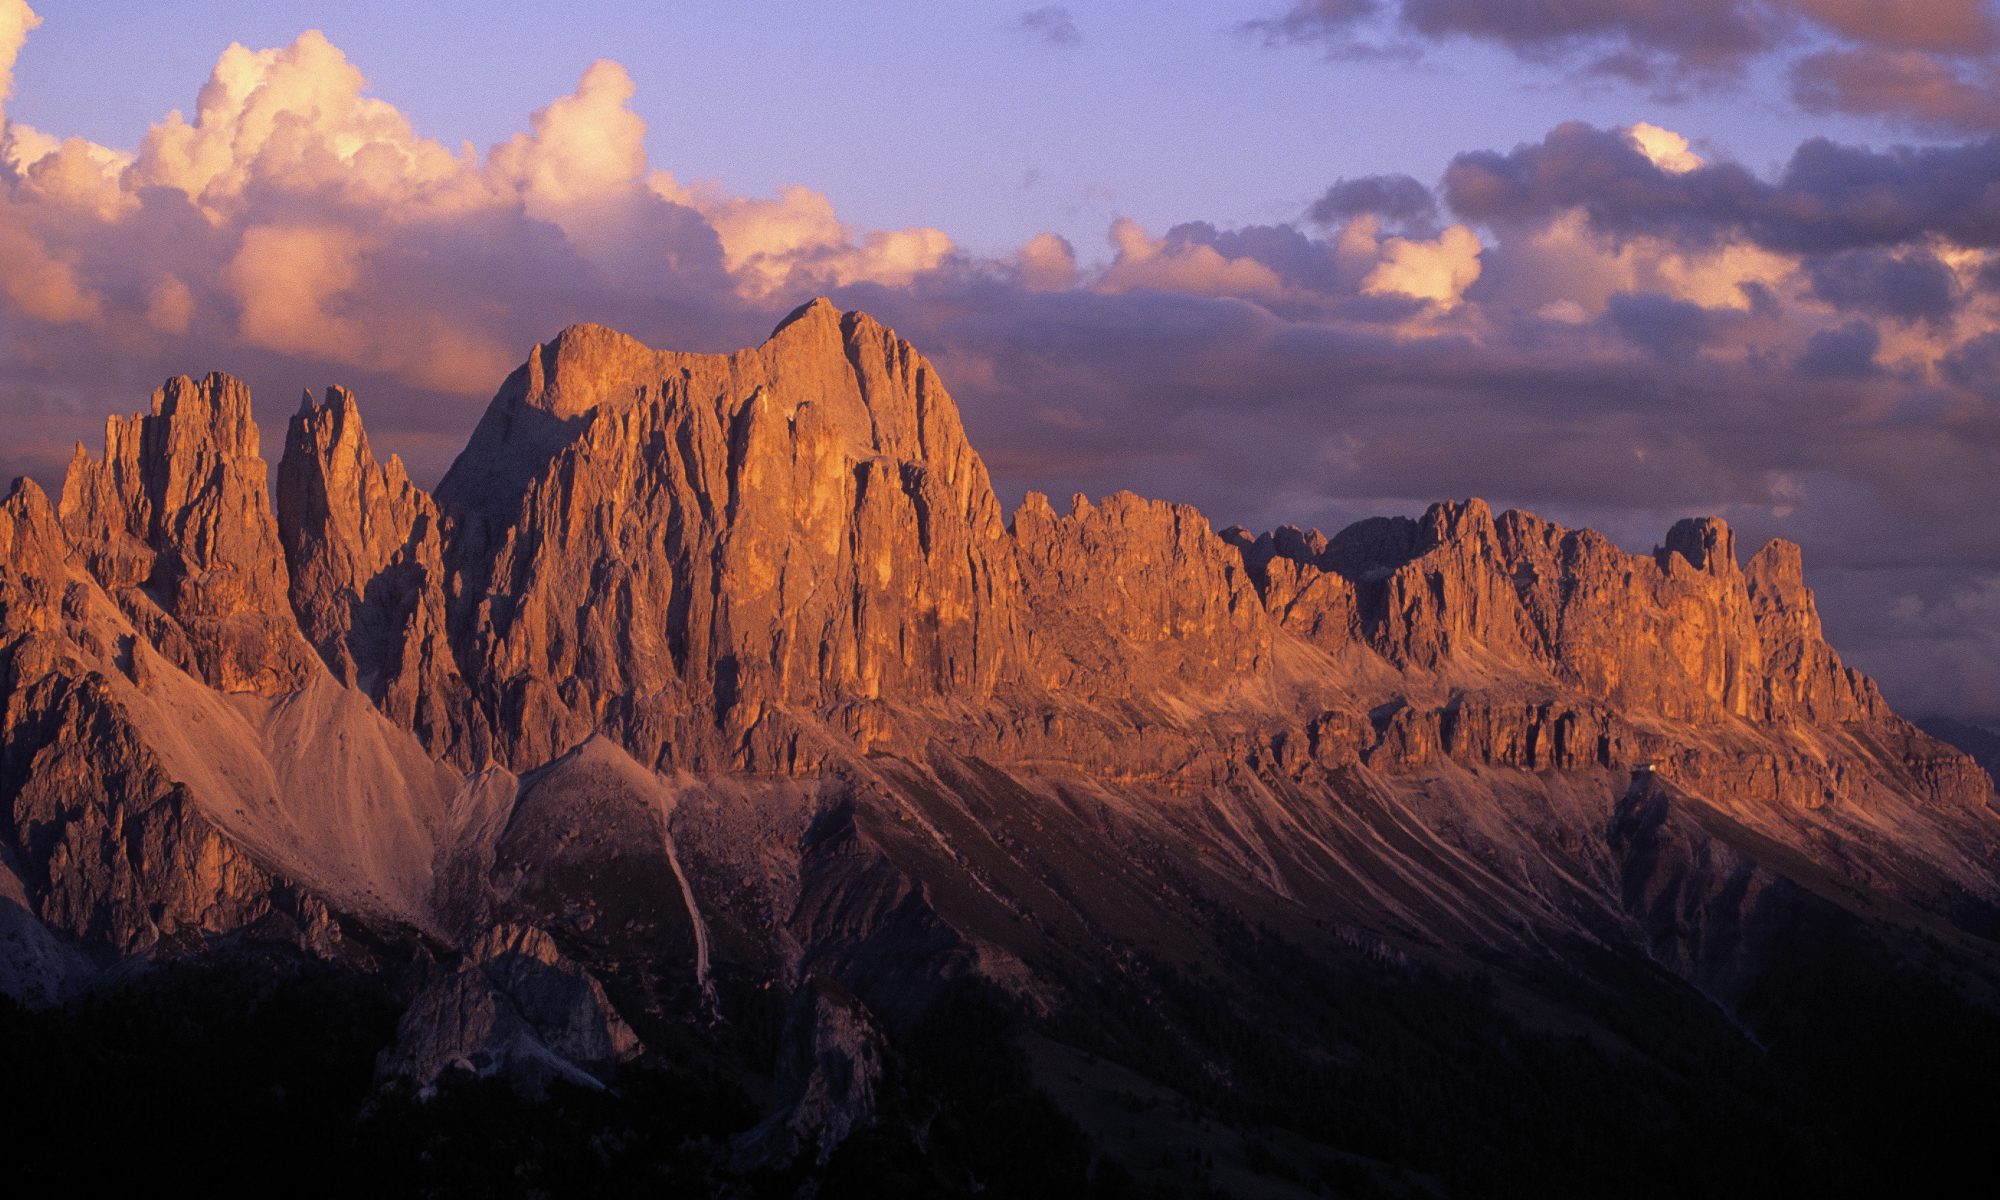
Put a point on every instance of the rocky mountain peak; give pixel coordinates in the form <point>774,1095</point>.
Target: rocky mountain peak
<point>1777,568</point>
<point>811,319</point>
<point>798,523</point>
<point>1468,521</point>
<point>344,518</point>
<point>1805,678</point>
<point>1707,543</point>
<point>580,370</point>
<point>333,490</point>
<point>175,520</point>
<point>29,515</point>
<point>166,476</point>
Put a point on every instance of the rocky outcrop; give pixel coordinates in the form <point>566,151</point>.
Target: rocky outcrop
<point>1131,597</point>
<point>105,842</point>
<point>1978,742</point>
<point>174,521</point>
<point>35,579</point>
<point>829,1069</point>
<point>795,526</point>
<point>1684,634</point>
<point>365,552</point>
<point>1803,677</point>
<point>1704,907</point>
<point>515,1008</point>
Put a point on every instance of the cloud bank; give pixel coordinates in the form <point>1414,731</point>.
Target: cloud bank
<point>1923,64</point>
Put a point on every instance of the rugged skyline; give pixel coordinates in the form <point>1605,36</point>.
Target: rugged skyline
<point>1688,303</point>
<point>712,779</point>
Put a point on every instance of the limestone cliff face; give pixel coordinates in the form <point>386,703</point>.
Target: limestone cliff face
<point>175,522</point>
<point>1803,677</point>
<point>802,525</point>
<point>365,552</point>
<point>753,560</point>
<point>36,576</point>
<point>346,519</point>
<point>1684,634</point>
<point>108,843</point>
<point>1132,597</point>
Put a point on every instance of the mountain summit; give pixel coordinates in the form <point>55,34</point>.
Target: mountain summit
<point>712,709</point>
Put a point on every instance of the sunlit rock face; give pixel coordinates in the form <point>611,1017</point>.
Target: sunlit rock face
<point>174,521</point>
<point>1684,634</point>
<point>788,529</point>
<point>715,697</point>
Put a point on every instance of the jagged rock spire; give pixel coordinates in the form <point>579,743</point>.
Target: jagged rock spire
<point>175,520</point>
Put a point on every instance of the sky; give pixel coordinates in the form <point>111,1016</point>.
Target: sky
<point>1294,261</point>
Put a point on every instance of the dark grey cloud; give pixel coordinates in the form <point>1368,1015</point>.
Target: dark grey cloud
<point>1052,23</point>
<point>1645,41</point>
<point>1961,27</point>
<point>1297,259</point>
<point>1975,364</point>
<point>1918,90</point>
<point>1844,353</point>
<point>1701,34</point>
<point>1397,199</point>
<point>1896,58</point>
<point>1911,285</point>
<point>1662,325</point>
<point>1315,20</point>
<point>1829,197</point>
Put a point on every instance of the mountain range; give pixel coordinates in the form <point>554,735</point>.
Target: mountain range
<point>711,787</point>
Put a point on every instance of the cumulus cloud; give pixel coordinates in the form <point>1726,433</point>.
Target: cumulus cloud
<point>1146,263</point>
<point>42,285</point>
<point>284,278</point>
<point>1438,270</point>
<point>1048,263</point>
<point>585,159</point>
<point>169,305</point>
<point>295,120</point>
<point>1665,149</point>
<point>1828,197</point>
<point>1395,198</point>
<point>16,19</point>
<point>1567,267</point>
<point>293,218</point>
<point>795,242</point>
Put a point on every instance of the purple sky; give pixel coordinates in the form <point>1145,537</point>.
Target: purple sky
<point>1610,260</point>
